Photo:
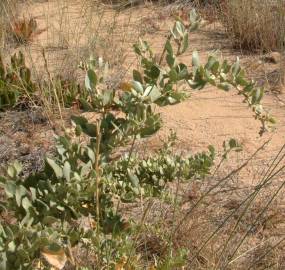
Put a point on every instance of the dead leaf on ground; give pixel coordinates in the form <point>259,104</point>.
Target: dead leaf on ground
<point>56,258</point>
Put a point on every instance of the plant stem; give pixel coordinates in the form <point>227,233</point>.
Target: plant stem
<point>164,49</point>
<point>97,169</point>
<point>131,150</point>
<point>53,86</point>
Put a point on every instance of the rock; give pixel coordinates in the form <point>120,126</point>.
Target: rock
<point>273,58</point>
<point>37,116</point>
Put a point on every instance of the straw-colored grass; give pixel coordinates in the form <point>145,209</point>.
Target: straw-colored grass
<point>255,24</point>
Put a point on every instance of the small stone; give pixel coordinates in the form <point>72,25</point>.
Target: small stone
<point>37,117</point>
<point>24,150</point>
<point>273,58</point>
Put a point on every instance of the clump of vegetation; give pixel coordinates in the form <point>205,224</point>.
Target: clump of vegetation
<point>254,25</point>
<point>17,86</point>
<point>154,172</point>
<point>66,91</point>
<point>84,180</point>
<point>24,30</point>
<point>15,81</point>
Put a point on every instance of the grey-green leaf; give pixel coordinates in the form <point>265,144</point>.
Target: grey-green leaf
<point>195,59</point>
<point>134,179</point>
<point>66,170</point>
<point>20,192</point>
<point>56,168</point>
<point>91,79</point>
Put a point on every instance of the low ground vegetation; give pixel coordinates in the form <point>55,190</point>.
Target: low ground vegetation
<point>72,213</point>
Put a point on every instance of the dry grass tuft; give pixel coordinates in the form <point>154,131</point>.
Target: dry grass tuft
<point>256,24</point>
<point>25,30</point>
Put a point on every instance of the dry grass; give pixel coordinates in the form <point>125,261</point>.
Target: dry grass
<point>69,32</point>
<point>256,24</point>
<point>222,224</point>
<point>6,8</point>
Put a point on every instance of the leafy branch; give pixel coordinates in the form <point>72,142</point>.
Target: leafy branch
<point>83,179</point>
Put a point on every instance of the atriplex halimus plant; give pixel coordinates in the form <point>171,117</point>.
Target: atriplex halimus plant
<point>85,177</point>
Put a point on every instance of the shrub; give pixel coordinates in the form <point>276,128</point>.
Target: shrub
<point>256,24</point>
<point>84,180</point>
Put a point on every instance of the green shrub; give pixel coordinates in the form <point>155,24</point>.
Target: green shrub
<point>17,85</point>
<point>84,180</point>
<point>15,81</point>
